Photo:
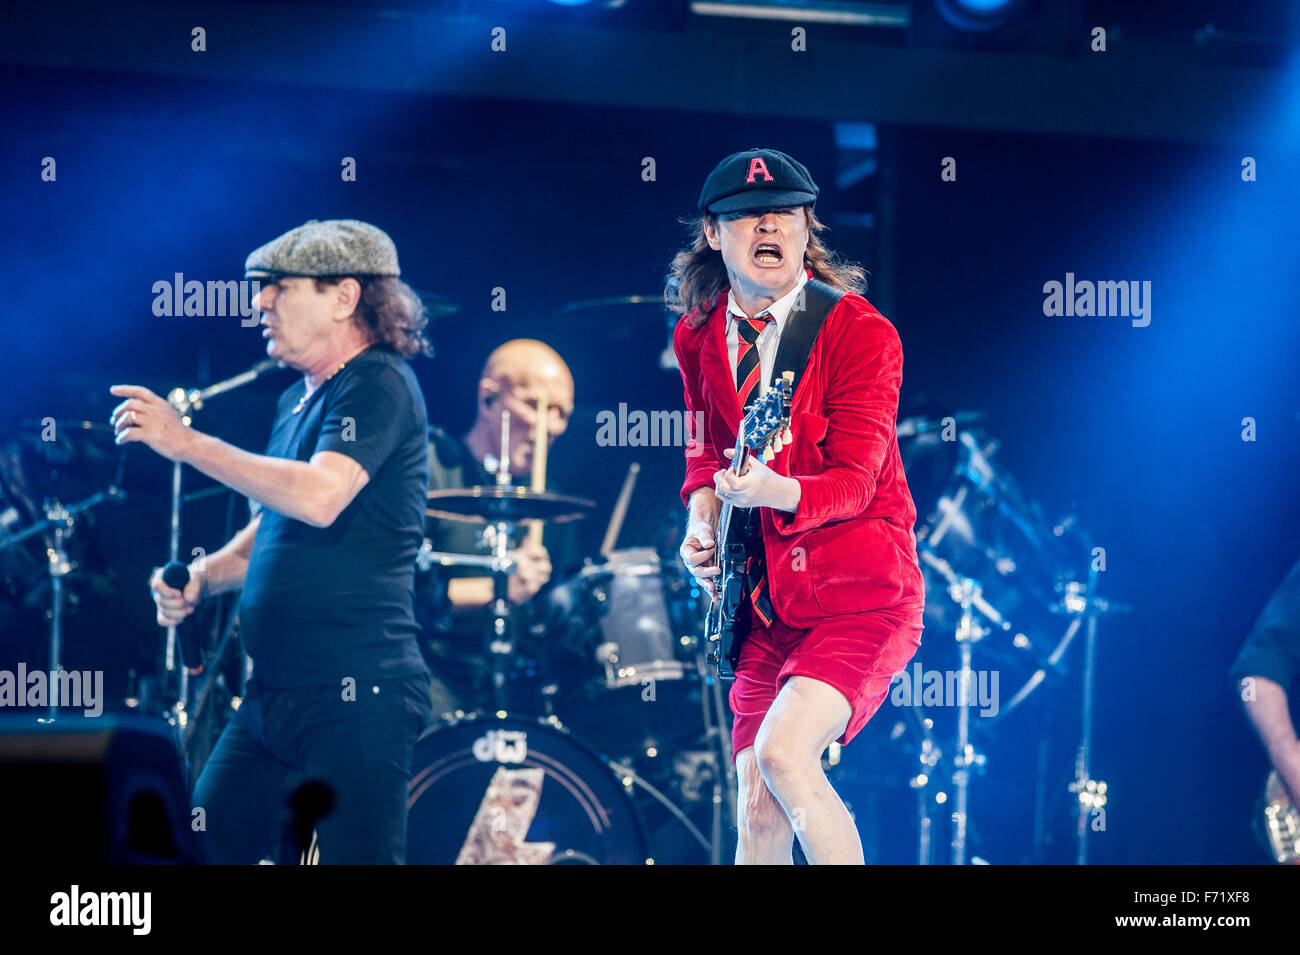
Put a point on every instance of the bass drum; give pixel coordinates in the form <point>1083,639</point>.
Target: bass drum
<point>516,791</point>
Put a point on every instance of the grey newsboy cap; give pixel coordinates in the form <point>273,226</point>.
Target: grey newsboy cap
<point>323,249</point>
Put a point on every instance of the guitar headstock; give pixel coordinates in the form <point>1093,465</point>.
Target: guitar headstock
<point>766,426</point>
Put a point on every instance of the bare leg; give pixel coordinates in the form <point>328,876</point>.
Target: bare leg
<point>765,834</point>
<point>805,717</point>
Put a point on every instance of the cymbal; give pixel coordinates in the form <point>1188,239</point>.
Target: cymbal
<point>484,504</point>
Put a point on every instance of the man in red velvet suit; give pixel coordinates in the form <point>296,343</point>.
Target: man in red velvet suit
<point>836,612</point>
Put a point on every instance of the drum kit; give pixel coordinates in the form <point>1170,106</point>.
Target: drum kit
<point>615,748</point>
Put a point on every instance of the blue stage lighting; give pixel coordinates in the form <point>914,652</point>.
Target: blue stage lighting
<point>984,7</point>
<point>979,15</point>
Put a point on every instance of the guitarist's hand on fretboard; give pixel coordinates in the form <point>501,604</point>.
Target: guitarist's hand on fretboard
<point>757,486</point>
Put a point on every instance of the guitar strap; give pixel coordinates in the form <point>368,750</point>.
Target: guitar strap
<point>802,327</point>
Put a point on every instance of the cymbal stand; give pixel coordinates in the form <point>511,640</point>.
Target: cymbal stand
<point>499,639</point>
<point>965,756</point>
<point>1090,794</point>
<point>61,520</point>
<point>968,595</point>
<point>929,757</point>
<point>724,779</point>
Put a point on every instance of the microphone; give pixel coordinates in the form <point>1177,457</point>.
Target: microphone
<point>177,576</point>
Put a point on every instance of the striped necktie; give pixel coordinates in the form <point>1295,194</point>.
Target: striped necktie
<point>749,372</point>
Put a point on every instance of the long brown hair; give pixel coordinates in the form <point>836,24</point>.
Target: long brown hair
<point>698,275</point>
<point>391,312</point>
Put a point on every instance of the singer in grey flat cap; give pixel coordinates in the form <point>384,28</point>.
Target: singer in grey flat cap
<point>339,692</point>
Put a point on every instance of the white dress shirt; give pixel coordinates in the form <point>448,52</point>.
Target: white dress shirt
<point>769,338</point>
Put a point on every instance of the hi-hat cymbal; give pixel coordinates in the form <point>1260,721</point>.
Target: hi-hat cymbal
<point>484,504</point>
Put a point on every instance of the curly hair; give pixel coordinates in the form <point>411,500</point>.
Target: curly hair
<point>390,311</point>
<point>698,275</point>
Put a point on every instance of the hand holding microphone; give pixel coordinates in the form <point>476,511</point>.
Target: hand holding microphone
<point>176,592</point>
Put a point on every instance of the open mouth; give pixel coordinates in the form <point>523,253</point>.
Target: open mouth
<point>768,254</point>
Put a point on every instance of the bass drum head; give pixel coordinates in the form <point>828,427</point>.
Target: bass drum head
<point>516,791</point>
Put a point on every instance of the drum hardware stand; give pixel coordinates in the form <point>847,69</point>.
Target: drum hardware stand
<point>498,639</point>
<point>61,520</point>
<point>213,664</point>
<point>631,778</point>
<point>1090,794</point>
<point>724,777</point>
<point>928,758</point>
<point>966,756</point>
<point>428,557</point>
<point>967,594</point>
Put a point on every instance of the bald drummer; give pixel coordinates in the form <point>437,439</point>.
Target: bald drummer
<point>455,612</point>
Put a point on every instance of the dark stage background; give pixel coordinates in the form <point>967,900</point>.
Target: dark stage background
<point>1135,430</point>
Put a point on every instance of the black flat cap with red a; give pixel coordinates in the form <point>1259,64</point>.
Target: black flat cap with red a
<point>757,179</point>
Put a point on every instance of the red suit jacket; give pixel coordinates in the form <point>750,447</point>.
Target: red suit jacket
<point>849,547</point>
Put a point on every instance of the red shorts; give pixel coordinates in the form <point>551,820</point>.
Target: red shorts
<point>857,654</point>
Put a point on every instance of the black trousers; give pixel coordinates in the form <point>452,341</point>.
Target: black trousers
<point>278,739</point>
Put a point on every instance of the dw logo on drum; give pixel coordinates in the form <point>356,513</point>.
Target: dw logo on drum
<point>501,746</point>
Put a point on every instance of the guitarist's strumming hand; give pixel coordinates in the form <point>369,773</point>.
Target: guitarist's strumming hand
<point>757,486</point>
<point>698,549</point>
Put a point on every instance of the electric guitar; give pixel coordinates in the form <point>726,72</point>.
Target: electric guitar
<point>764,429</point>
<point>1278,822</point>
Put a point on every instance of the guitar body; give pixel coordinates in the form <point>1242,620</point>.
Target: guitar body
<point>721,635</point>
<point>1279,822</point>
<point>765,428</point>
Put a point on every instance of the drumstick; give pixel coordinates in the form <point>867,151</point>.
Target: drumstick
<point>541,436</point>
<point>620,510</point>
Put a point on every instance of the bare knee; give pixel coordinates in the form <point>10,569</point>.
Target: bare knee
<point>781,759</point>
<point>761,817</point>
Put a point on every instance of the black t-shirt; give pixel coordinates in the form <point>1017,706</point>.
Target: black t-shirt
<point>322,604</point>
<point>1273,648</point>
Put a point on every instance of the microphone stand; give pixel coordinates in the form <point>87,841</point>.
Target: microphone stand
<point>186,402</point>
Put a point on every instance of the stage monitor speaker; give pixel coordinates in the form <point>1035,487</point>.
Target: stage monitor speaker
<point>106,790</point>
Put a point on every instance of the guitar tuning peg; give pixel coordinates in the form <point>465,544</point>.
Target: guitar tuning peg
<point>768,454</point>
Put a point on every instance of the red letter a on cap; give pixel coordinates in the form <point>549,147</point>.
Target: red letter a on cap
<point>756,165</point>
